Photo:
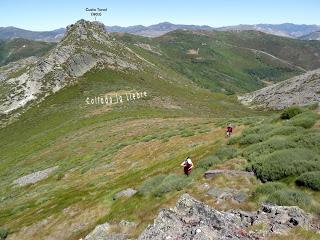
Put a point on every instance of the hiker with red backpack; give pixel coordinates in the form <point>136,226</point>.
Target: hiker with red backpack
<point>187,166</point>
<point>229,130</point>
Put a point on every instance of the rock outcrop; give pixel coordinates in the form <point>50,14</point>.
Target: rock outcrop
<point>125,193</point>
<point>108,231</point>
<point>34,177</point>
<point>191,219</point>
<point>300,90</point>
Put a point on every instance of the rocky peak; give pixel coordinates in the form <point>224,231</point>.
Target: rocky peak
<point>84,30</point>
<point>85,46</point>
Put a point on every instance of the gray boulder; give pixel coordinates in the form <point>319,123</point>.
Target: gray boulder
<point>125,193</point>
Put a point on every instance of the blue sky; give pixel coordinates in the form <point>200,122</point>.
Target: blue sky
<point>49,15</point>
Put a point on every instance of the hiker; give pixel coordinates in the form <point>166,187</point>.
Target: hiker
<point>229,130</point>
<point>187,166</point>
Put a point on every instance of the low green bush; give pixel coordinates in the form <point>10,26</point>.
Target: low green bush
<point>305,120</point>
<point>286,162</point>
<point>171,182</point>
<point>250,139</point>
<point>270,187</point>
<point>150,184</point>
<point>148,138</point>
<point>186,133</point>
<point>254,151</point>
<point>227,153</point>
<point>309,139</point>
<point>286,197</point>
<point>284,130</point>
<point>310,180</point>
<point>208,162</point>
<point>313,106</point>
<point>258,129</point>
<point>3,233</point>
<point>162,184</point>
<point>233,140</point>
<point>290,112</point>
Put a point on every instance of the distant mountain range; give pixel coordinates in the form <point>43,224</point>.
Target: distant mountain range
<point>285,29</point>
<point>48,36</point>
<point>302,31</point>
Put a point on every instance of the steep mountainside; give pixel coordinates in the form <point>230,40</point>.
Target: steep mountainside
<point>311,36</point>
<point>15,49</point>
<point>299,90</point>
<point>86,46</point>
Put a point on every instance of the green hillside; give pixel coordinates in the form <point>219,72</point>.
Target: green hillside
<point>230,61</point>
<point>99,149</point>
<point>15,49</point>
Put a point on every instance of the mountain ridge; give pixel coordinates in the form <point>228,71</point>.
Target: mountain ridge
<point>85,46</point>
<point>300,90</point>
<point>154,30</point>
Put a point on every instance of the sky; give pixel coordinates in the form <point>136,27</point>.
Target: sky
<point>40,15</point>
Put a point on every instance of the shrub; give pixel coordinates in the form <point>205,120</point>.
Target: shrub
<point>305,120</point>
<point>161,184</point>
<point>186,133</point>
<point>150,184</point>
<point>290,112</point>
<point>286,197</point>
<point>3,233</point>
<point>258,129</point>
<point>313,106</point>
<point>250,139</point>
<point>252,152</point>
<point>233,140</point>
<point>170,183</point>
<point>227,153</point>
<point>284,130</point>
<point>308,140</point>
<point>286,162</point>
<point>270,187</point>
<point>148,138</point>
<point>310,180</point>
<point>208,162</point>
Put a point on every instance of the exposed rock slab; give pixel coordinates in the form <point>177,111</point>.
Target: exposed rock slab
<point>300,90</point>
<point>34,177</point>
<point>191,219</point>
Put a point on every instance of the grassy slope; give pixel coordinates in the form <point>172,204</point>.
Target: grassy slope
<point>83,139</point>
<point>101,150</point>
<point>15,49</point>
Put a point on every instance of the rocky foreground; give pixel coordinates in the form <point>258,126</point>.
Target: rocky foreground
<point>191,219</point>
<point>300,90</point>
